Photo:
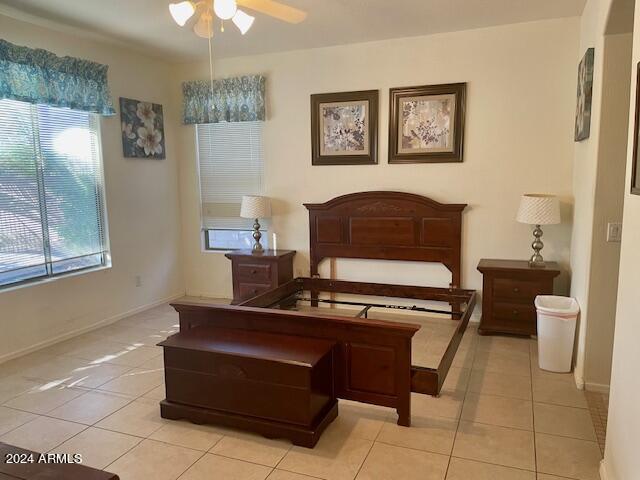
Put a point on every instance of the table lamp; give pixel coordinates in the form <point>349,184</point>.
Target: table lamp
<point>256,207</point>
<point>538,209</point>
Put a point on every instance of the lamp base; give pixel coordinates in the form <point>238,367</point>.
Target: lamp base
<point>537,263</point>
<point>536,260</point>
<point>257,247</point>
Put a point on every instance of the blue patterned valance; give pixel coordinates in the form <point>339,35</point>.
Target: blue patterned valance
<point>38,76</point>
<point>239,99</point>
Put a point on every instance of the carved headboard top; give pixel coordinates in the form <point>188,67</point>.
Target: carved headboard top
<point>388,226</point>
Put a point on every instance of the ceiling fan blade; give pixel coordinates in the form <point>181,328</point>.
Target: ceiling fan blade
<point>275,9</point>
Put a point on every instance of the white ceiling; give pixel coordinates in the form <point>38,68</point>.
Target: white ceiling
<point>146,25</point>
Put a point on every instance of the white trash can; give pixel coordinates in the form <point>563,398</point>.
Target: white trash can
<point>557,318</point>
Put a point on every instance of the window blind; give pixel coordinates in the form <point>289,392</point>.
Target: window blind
<point>51,192</point>
<point>230,157</point>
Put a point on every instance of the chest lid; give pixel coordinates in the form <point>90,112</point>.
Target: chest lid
<point>285,349</point>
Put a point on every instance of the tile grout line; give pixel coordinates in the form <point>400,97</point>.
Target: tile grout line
<point>366,456</point>
<point>191,465</point>
<point>279,461</point>
<point>123,454</point>
<point>484,462</point>
<point>464,398</point>
<point>296,473</point>
<point>533,416</point>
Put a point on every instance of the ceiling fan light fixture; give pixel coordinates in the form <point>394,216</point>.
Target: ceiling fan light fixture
<point>225,9</point>
<point>182,12</point>
<point>203,27</point>
<point>243,21</point>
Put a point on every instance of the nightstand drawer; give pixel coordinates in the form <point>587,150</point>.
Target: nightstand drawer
<point>250,290</point>
<point>518,290</point>
<point>254,272</point>
<point>514,311</point>
<point>512,318</point>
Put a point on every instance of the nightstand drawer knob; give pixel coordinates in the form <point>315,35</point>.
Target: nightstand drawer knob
<point>254,271</point>
<point>516,312</point>
<point>516,290</point>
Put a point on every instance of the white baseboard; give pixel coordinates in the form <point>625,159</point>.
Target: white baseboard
<point>74,333</point>
<point>209,295</point>
<point>597,387</point>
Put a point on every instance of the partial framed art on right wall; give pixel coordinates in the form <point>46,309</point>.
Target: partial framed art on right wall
<point>635,160</point>
<point>583,100</point>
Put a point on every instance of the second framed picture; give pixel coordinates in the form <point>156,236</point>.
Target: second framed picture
<point>426,124</point>
<point>344,128</point>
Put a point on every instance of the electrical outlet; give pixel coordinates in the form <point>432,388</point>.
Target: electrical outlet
<point>138,281</point>
<point>614,232</point>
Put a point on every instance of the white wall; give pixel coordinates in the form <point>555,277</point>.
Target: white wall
<point>520,110</point>
<point>621,455</point>
<point>592,28</point>
<point>608,205</point>
<point>142,200</point>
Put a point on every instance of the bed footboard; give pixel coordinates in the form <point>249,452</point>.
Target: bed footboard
<point>372,358</point>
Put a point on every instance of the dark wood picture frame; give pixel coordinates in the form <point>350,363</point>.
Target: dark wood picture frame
<point>584,96</point>
<point>635,165</point>
<point>371,158</point>
<point>459,90</point>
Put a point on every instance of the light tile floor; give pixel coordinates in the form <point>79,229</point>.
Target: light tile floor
<point>599,409</point>
<point>498,418</point>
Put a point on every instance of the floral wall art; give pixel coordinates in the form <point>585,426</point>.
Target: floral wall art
<point>142,129</point>
<point>426,124</point>
<point>344,128</point>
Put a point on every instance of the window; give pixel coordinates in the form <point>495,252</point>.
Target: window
<point>51,193</point>
<point>231,163</point>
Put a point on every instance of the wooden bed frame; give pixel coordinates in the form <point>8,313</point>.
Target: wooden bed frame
<point>372,358</point>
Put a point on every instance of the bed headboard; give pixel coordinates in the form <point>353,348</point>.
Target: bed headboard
<point>388,226</point>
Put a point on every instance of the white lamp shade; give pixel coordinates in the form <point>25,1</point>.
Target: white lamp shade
<point>181,12</point>
<point>243,21</point>
<point>539,209</point>
<point>254,206</point>
<point>225,9</point>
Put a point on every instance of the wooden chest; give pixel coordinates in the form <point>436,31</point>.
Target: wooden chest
<point>509,289</point>
<point>276,385</point>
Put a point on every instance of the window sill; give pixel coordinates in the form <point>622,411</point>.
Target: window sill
<point>219,251</point>
<point>41,281</point>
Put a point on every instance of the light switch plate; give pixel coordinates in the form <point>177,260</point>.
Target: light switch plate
<point>614,232</point>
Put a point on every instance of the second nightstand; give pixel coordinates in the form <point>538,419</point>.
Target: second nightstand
<point>509,288</point>
<point>256,273</point>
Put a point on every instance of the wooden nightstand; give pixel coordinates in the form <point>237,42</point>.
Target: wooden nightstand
<point>509,288</point>
<point>255,273</point>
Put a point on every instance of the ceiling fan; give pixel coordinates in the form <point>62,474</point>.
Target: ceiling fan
<point>206,11</point>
